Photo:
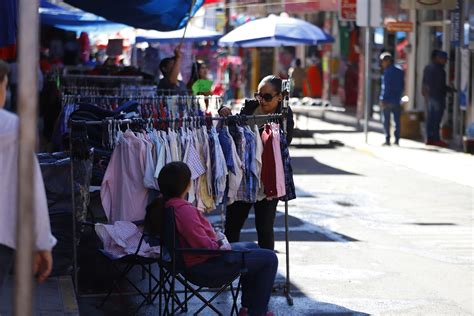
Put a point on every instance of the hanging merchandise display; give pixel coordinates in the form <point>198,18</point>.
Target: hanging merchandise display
<point>228,158</point>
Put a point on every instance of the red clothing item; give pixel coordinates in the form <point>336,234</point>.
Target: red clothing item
<point>268,163</point>
<point>194,230</point>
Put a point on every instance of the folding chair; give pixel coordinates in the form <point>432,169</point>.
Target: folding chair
<point>129,262</point>
<point>175,270</point>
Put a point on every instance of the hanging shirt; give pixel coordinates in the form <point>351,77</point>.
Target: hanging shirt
<point>205,199</point>
<point>258,157</point>
<point>149,180</point>
<point>220,168</point>
<point>250,166</point>
<point>289,184</point>
<point>123,195</point>
<point>166,144</point>
<point>279,172</point>
<point>191,158</point>
<point>244,157</point>
<point>235,177</point>
<point>43,239</point>
<point>208,157</point>
<point>226,143</point>
<point>268,163</point>
<point>173,141</point>
<point>161,154</point>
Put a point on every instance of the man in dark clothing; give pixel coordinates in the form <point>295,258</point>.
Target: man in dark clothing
<point>434,90</point>
<point>393,82</point>
<point>170,68</point>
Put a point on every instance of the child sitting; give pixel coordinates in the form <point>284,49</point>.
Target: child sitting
<point>195,231</point>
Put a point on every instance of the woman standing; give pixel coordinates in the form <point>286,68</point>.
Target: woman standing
<point>268,100</point>
<point>198,82</point>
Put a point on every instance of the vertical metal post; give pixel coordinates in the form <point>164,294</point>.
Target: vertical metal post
<point>457,114</point>
<point>410,87</point>
<point>73,212</point>
<point>367,77</point>
<point>28,44</point>
<point>289,298</point>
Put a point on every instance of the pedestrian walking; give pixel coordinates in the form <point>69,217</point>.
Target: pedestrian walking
<point>298,74</point>
<point>44,240</point>
<point>434,90</point>
<point>393,82</point>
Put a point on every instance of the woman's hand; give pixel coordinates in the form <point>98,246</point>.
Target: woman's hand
<point>224,111</point>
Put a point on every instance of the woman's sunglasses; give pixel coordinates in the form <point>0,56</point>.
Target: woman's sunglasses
<point>266,96</point>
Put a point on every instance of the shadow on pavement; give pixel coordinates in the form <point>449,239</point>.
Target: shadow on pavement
<point>303,304</point>
<point>309,165</point>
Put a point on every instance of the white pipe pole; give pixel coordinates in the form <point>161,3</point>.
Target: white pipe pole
<point>28,44</point>
<point>367,76</point>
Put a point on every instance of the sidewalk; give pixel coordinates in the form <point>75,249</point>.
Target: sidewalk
<point>443,163</point>
<point>54,297</point>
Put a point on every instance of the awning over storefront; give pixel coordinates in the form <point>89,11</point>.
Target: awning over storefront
<point>145,14</point>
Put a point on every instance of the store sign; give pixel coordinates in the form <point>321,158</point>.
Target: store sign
<point>366,7</point>
<point>471,26</point>
<point>348,10</point>
<point>308,6</point>
<point>399,27</point>
<point>456,24</point>
<point>428,4</point>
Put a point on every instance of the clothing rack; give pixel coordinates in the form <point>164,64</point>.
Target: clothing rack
<point>154,97</point>
<point>242,118</point>
<point>236,118</point>
<point>103,78</point>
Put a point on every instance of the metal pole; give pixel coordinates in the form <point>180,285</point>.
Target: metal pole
<point>73,212</point>
<point>28,44</point>
<point>289,298</point>
<point>367,80</point>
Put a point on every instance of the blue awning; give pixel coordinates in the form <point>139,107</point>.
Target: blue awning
<point>193,34</point>
<point>51,14</point>
<point>146,14</point>
<point>8,22</point>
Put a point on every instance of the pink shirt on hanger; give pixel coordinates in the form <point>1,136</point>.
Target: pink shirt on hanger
<point>279,171</point>
<point>123,194</point>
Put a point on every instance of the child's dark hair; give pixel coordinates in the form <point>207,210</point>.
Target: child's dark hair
<point>173,180</point>
<point>196,67</point>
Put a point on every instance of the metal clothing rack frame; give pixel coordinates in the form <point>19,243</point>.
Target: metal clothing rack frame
<point>285,286</point>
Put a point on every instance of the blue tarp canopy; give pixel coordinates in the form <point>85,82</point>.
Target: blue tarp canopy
<point>8,22</point>
<point>193,34</point>
<point>74,19</point>
<point>145,14</point>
